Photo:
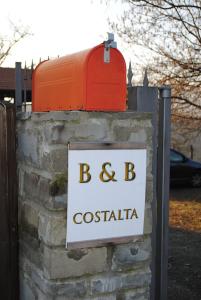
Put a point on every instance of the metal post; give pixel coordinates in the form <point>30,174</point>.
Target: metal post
<point>24,86</point>
<point>18,85</point>
<point>163,169</point>
<point>145,99</point>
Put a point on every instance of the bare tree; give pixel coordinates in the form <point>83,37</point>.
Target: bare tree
<point>171,31</point>
<point>7,43</point>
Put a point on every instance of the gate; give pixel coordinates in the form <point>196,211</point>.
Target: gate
<point>8,204</point>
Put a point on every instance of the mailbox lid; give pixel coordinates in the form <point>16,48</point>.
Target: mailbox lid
<point>106,82</point>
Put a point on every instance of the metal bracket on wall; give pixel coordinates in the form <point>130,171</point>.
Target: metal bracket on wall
<point>110,43</point>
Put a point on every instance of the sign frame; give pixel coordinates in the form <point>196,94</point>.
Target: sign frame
<point>104,146</point>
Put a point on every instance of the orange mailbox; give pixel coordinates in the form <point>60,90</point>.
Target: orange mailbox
<point>93,79</point>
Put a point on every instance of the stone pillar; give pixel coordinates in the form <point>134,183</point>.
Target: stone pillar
<point>47,269</point>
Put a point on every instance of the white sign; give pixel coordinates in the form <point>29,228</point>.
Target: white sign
<point>106,194</point>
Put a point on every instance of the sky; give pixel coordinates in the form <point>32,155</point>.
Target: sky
<point>57,27</point>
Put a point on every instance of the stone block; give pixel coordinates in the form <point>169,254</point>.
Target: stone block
<point>22,116</point>
<point>57,116</point>
<point>38,188</point>
<point>103,297</point>
<point>60,202</point>
<point>138,136</point>
<point>55,160</point>
<point>138,294</point>
<point>31,184</point>
<point>132,120</point>
<point>68,116</point>
<point>121,134</point>
<point>149,136</point>
<point>149,191</point>
<point>130,134</point>
<point>59,132</point>
<point>20,181</point>
<point>59,185</point>
<point>75,129</point>
<point>92,130</point>
<point>26,291</point>
<point>28,147</point>
<point>119,282</point>
<point>105,284</point>
<point>72,290</point>
<point>149,162</point>
<point>52,228</point>
<point>148,220</point>
<point>30,250</point>
<point>59,263</point>
<point>29,218</point>
<point>130,256</point>
<point>41,296</point>
<point>136,280</point>
<point>54,289</point>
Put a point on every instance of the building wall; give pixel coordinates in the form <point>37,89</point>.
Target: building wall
<point>47,269</point>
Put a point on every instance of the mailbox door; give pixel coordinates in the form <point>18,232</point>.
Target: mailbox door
<point>106,82</point>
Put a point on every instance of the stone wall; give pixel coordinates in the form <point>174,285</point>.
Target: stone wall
<point>47,269</point>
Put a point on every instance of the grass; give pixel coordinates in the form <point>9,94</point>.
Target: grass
<point>185,215</point>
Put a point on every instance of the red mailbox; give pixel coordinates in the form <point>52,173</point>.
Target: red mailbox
<point>93,79</point>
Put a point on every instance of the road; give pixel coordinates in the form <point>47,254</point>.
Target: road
<point>184,272</point>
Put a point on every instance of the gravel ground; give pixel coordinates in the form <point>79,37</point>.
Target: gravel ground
<point>184,273</point>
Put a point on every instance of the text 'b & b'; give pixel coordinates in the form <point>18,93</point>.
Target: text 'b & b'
<point>107,174</point>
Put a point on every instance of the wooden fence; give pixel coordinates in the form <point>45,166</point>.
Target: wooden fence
<point>8,204</point>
